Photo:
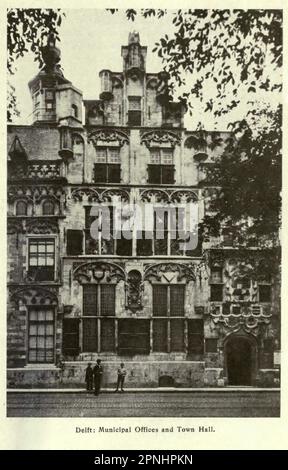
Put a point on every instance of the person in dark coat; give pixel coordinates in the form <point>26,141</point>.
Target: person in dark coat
<point>97,372</point>
<point>121,372</point>
<point>89,378</point>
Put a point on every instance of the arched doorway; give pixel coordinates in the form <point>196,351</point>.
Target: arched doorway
<point>240,360</point>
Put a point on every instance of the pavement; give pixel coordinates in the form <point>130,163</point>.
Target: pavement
<point>228,402</point>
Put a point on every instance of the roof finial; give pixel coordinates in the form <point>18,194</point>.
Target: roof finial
<point>51,54</point>
<point>134,38</point>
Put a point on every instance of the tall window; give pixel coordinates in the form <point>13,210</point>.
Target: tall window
<point>50,100</point>
<point>161,168</point>
<point>100,243</point>
<point>41,259</point>
<point>98,318</point>
<point>134,112</point>
<point>216,284</point>
<point>168,236</point>
<point>168,317</point>
<point>41,335</point>
<point>75,110</point>
<point>48,208</point>
<point>195,336</point>
<point>21,208</point>
<point>107,166</point>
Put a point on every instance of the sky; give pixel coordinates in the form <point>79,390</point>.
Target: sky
<point>91,40</point>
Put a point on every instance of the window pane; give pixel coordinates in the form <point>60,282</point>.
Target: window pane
<point>155,156</point>
<point>41,336</point>
<point>134,103</point>
<point>216,275</point>
<point>101,155</point>
<point>177,298</point>
<point>264,293</point>
<point>114,155</point>
<point>160,308</point>
<point>89,300</point>
<point>107,335</point>
<point>48,208</point>
<point>160,335</point>
<point>177,335</point>
<point>108,299</point>
<point>89,334</point>
<point>134,118</point>
<point>167,156</point>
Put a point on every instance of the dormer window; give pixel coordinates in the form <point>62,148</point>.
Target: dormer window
<point>161,168</point>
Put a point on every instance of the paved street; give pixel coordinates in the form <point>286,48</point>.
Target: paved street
<point>144,404</point>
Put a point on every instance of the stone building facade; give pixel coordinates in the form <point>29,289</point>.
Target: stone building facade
<point>176,315</point>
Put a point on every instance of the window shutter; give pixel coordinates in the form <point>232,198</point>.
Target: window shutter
<point>90,335</point>
<point>107,299</point>
<point>160,308</point>
<point>177,298</point>
<point>160,335</point>
<point>177,335</point>
<point>71,336</point>
<point>113,173</point>
<point>195,336</point>
<point>74,242</point>
<point>107,335</point>
<point>154,174</point>
<point>167,174</point>
<point>100,173</point>
<point>89,300</point>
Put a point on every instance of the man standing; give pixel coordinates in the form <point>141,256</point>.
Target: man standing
<point>97,372</point>
<point>121,377</point>
<point>89,378</point>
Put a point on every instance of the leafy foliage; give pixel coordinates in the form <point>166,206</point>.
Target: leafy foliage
<point>27,31</point>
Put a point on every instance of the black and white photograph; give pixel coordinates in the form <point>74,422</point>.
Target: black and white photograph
<point>144,179</point>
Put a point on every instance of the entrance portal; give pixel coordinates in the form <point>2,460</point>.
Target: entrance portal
<point>239,361</point>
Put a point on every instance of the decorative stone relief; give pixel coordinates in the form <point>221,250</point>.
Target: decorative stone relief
<point>160,137</point>
<point>94,272</point>
<point>35,296</point>
<point>108,136</point>
<point>170,272</point>
<point>134,290</point>
<point>93,195</point>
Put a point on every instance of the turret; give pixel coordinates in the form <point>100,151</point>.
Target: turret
<point>54,97</point>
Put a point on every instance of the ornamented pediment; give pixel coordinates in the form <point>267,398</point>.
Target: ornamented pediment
<point>165,270</point>
<point>36,296</point>
<point>15,226</point>
<point>134,290</point>
<point>160,137</point>
<point>108,136</point>
<point>97,271</point>
<point>168,196</point>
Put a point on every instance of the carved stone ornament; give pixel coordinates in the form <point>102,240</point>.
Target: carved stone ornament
<point>168,196</point>
<point>34,193</point>
<point>248,318</point>
<point>156,271</point>
<point>93,195</point>
<point>35,296</point>
<point>160,137</point>
<point>134,290</point>
<point>108,136</point>
<point>94,272</point>
<point>41,226</point>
